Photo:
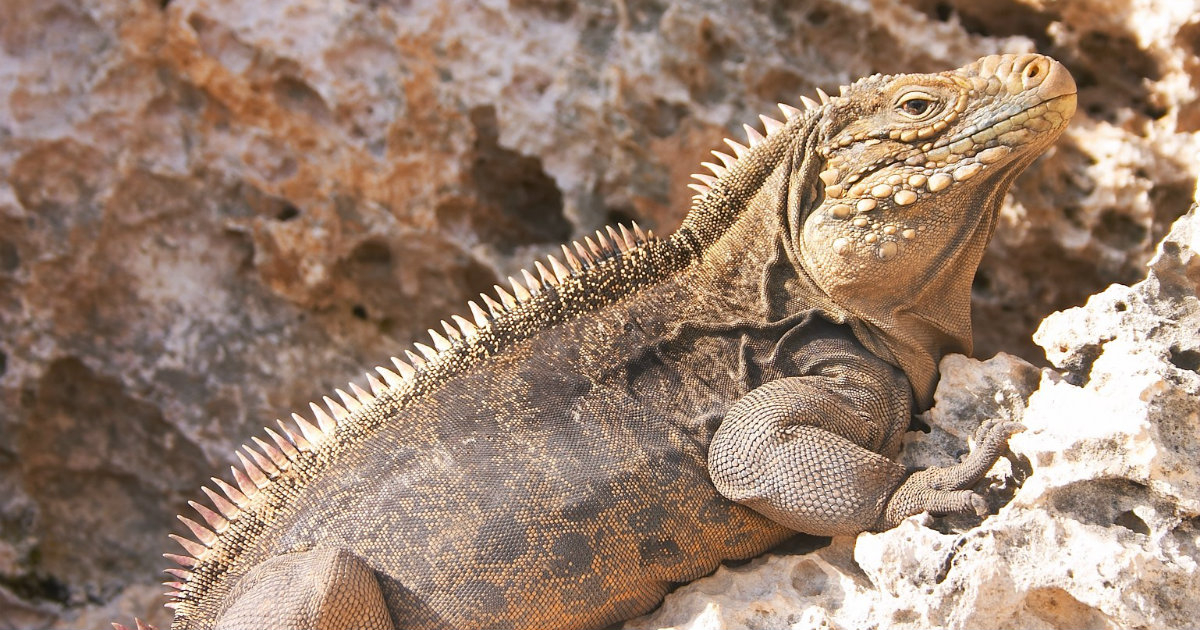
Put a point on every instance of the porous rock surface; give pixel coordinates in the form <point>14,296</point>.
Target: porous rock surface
<point>212,212</point>
<point>1100,524</point>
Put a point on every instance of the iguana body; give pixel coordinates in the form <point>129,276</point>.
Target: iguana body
<point>569,456</point>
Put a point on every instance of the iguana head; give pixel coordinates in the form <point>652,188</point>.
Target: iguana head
<point>915,168</point>
<point>915,163</point>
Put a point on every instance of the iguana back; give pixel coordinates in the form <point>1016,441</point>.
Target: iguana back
<point>650,407</point>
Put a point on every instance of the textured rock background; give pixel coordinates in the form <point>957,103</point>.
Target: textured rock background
<point>212,212</point>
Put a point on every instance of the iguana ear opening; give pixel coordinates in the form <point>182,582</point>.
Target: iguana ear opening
<point>803,194</point>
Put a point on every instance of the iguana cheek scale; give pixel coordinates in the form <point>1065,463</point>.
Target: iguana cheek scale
<point>644,408</point>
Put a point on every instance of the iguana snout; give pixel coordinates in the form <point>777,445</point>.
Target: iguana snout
<point>1042,75</point>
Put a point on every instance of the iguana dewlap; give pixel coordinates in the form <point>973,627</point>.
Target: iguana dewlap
<point>649,407</point>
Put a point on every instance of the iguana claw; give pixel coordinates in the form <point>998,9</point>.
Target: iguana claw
<point>944,490</point>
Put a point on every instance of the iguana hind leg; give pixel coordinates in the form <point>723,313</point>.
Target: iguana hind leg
<point>806,453</point>
<point>319,588</point>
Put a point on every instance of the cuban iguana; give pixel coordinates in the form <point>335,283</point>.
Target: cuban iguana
<point>649,407</point>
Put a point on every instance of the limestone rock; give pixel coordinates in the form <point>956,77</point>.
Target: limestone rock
<point>1101,500</point>
<point>212,212</point>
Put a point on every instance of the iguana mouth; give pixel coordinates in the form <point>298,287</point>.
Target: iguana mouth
<point>1034,120</point>
<point>1013,125</point>
<point>962,156</point>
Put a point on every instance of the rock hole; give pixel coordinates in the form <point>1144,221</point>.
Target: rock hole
<point>3,362</point>
<point>1139,62</point>
<point>1188,39</point>
<point>287,212</point>
<point>372,252</point>
<point>1185,359</point>
<point>808,580</point>
<point>619,217</point>
<point>948,563</point>
<point>38,588</point>
<point>1121,307</point>
<point>1154,109</point>
<point>198,23</point>
<point>1120,230</point>
<point>296,95</point>
<point>659,117</point>
<point>1104,503</point>
<point>556,10</point>
<point>1079,366</point>
<point>10,258</point>
<point>982,284</point>
<point>1133,523</point>
<point>799,544</point>
<point>1022,469</point>
<point>992,19</point>
<point>1119,70</point>
<point>518,202</point>
<point>359,311</point>
<point>1170,200</point>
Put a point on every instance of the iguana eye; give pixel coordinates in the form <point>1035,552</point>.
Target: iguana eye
<point>917,105</point>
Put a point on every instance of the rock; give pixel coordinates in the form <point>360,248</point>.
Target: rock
<point>212,212</point>
<point>1101,505</point>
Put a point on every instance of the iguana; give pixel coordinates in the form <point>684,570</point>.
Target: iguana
<point>648,407</point>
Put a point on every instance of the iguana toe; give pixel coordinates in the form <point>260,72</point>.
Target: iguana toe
<point>944,490</point>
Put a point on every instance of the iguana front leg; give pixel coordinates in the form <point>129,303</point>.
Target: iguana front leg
<point>809,452</point>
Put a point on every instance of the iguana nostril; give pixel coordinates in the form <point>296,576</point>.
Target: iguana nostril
<point>1034,72</point>
<point>1051,79</point>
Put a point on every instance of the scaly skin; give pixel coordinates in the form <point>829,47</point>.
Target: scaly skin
<point>652,407</point>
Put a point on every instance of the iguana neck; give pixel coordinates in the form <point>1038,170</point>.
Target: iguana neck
<point>746,228</point>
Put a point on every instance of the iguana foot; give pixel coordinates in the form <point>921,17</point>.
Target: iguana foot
<point>943,490</point>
